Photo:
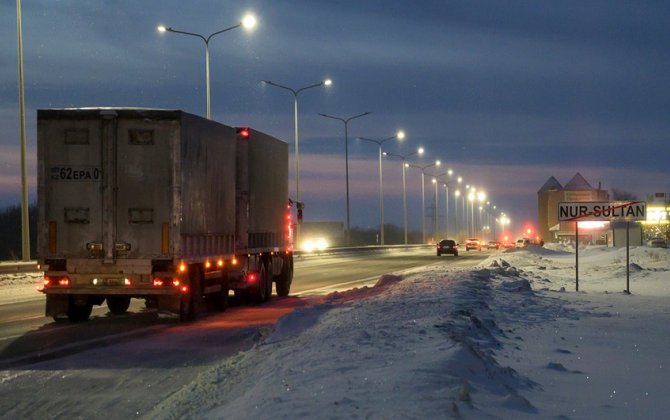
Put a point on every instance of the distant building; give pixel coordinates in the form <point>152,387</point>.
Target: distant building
<point>657,224</point>
<point>551,194</point>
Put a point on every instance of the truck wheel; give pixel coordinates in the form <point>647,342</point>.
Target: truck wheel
<point>222,302</point>
<point>118,304</point>
<point>79,313</point>
<point>196,279</point>
<point>268,281</point>
<point>285,279</point>
<point>185,308</point>
<point>259,292</point>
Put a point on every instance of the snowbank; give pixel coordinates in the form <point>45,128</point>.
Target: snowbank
<point>504,340</point>
<point>507,339</point>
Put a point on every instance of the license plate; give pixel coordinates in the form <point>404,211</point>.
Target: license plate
<point>112,282</point>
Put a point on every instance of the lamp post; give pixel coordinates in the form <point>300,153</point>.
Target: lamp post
<point>471,199</point>
<point>248,22</point>
<point>296,92</point>
<point>405,165</point>
<point>399,135</point>
<point>504,220</point>
<point>25,217</point>
<point>346,158</point>
<point>436,224</point>
<point>481,197</point>
<point>423,195</point>
<point>457,224</point>
<point>446,198</point>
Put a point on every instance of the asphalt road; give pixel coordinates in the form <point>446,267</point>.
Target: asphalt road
<point>26,335</point>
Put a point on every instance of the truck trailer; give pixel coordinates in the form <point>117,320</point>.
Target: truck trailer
<point>159,205</point>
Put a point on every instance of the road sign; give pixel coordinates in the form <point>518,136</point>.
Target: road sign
<point>602,211</point>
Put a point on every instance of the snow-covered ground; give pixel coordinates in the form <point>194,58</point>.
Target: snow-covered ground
<point>508,339</point>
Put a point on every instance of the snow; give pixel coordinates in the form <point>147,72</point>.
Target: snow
<point>510,338</point>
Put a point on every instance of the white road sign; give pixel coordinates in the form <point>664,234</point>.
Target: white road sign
<point>617,210</point>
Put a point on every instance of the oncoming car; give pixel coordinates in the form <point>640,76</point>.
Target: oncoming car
<point>473,243</point>
<point>447,246</point>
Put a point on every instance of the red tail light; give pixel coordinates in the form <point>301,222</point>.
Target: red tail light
<point>158,282</point>
<point>251,278</point>
<point>56,281</point>
<point>243,132</point>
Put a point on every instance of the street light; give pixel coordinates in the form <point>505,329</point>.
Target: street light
<point>25,218</point>
<point>436,212</point>
<point>456,224</point>
<point>346,157</point>
<point>248,22</point>
<point>446,203</point>
<point>405,165</point>
<point>471,199</point>
<point>423,194</point>
<point>399,135</point>
<point>457,194</point>
<point>296,92</point>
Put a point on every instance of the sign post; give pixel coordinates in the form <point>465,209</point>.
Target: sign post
<point>576,256</point>
<point>628,211</point>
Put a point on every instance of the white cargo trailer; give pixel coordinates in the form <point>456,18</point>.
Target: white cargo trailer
<point>159,205</point>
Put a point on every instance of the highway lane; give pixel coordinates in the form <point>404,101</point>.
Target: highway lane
<point>24,330</point>
<point>315,275</point>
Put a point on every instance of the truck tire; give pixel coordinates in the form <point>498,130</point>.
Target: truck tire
<point>118,304</point>
<point>268,281</point>
<point>185,308</point>
<point>79,312</point>
<point>259,293</point>
<point>189,303</point>
<point>222,302</point>
<point>285,278</point>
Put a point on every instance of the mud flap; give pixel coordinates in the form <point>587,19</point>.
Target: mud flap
<point>170,304</point>
<point>57,305</point>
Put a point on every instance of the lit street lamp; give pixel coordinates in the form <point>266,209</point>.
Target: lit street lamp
<point>295,93</point>
<point>436,211</point>
<point>471,199</point>
<point>457,225</point>
<point>399,135</point>
<point>248,22</point>
<point>423,195</point>
<point>446,200</point>
<point>405,165</point>
<point>346,158</point>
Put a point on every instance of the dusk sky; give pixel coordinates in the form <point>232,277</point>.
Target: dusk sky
<point>505,93</point>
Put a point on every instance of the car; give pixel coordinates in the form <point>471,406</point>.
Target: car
<point>493,245</point>
<point>657,243</point>
<point>523,243</point>
<point>447,246</point>
<point>473,243</point>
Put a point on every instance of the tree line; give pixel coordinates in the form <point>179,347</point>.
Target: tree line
<point>10,232</point>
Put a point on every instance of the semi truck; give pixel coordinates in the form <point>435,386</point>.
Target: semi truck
<point>159,205</point>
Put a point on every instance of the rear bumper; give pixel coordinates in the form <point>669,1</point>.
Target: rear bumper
<point>104,291</point>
